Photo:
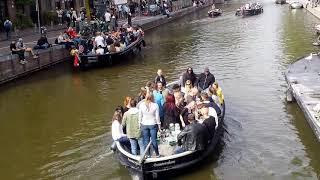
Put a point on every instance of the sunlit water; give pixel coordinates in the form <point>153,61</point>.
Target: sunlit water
<point>56,124</point>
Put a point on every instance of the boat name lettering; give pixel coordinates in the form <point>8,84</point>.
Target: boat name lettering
<point>163,163</point>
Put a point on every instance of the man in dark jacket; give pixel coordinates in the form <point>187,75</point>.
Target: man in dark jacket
<point>194,137</point>
<point>205,79</point>
<point>160,78</point>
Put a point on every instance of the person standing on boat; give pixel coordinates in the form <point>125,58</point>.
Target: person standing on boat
<point>149,120</point>
<point>126,103</point>
<point>117,129</point>
<point>189,75</point>
<point>160,78</point>
<point>99,40</point>
<point>208,121</point>
<point>208,100</point>
<point>171,112</point>
<point>130,122</point>
<point>160,95</point>
<point>194,137</point>
<point>205,79</point>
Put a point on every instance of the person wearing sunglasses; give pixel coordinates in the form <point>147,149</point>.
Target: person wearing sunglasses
<point>189,75</point>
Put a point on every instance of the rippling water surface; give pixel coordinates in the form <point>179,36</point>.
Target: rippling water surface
<point>56,124</point>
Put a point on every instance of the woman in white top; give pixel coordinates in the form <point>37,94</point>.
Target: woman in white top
<point>150,122</point>
<point>117,129</point>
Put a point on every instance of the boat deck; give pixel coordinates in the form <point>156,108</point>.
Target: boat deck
<point>303,78</point>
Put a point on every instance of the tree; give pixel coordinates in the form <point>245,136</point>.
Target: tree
<point>87,5</point>
<point>11,6</point>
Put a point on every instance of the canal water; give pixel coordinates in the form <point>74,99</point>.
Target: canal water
<point>56,124</point>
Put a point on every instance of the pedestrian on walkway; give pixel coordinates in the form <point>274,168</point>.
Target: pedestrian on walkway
<point>129,19</point>
<point>7,27</point>
<point>107,18</point>
<point>59,14</point>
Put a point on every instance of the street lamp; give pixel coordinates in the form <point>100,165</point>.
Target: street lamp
<point>38,12</point>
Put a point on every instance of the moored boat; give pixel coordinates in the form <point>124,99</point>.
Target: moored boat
<point>296,5</point>
<point>214,13</point>
<point>172,162</point>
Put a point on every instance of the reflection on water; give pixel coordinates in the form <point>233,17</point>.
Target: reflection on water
<point>56,124</point>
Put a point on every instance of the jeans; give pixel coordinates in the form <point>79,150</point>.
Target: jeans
<point>179,150</point>
<point>134,145</point>
<point>147,132</point>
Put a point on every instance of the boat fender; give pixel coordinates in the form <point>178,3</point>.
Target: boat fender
<point>113,146</point>
<point>289,96</point>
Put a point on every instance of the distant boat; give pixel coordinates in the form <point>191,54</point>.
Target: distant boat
<point>250,9</point>
<point>281,2</point>
<point>214,13</point>
<point>296,5</point>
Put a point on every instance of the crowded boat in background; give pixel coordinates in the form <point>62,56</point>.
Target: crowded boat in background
<point>169,121</point>
<point>250,9</point>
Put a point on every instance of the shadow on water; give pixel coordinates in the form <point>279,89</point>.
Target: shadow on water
<point>308,139</point>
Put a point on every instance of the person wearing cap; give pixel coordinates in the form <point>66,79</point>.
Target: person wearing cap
<point>194,137</point>
<point>205,79</point>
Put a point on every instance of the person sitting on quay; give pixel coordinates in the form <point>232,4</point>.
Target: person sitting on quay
<point>189,75</point>
<point>130,122</point>
<point>42,43</point>
<point>160,78</point>
<point>21,47</point>
<point>64,39</point>
<point>20,53</point>
<point>194,137</point>
<point>205,79</point>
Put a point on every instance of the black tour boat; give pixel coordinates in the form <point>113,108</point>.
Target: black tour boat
<point>87,60</point>
<point>156,166</point>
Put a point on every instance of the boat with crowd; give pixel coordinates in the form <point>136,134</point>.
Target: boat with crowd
<point>109,58</point>
<point>170,162</point>
<point>250,9</point>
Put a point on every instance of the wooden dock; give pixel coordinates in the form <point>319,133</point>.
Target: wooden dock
<point>303,78</point>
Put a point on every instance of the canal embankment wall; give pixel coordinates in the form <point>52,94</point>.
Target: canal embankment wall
<point>313,10</point>
<point>10,67</point>
<point>304,86</point>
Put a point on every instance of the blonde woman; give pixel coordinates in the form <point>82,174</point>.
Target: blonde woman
<point>150,122</point>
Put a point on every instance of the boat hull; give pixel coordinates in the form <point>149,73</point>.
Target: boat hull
<point>173,164</point>
<point>111,58</point>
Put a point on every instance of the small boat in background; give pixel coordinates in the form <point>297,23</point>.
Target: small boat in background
<point>250,9</point>
<point>296,5</point>
<point>214,13</point>
<point>281,2</point>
